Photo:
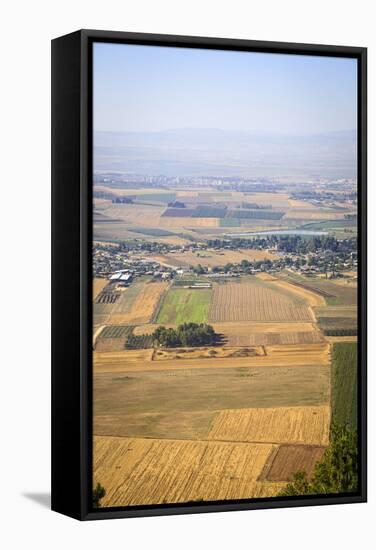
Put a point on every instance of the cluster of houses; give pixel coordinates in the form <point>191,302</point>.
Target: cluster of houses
<point>122,267</point>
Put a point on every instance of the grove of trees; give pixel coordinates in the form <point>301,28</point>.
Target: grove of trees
<point>187,335</point>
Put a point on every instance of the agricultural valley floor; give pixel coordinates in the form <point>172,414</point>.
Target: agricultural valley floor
<point>233,420</point>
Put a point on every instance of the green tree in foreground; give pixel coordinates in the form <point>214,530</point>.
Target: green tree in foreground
<point>336,473</point>
<point>98,493</point>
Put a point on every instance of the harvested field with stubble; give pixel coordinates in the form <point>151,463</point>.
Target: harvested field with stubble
<point>288,459</point>
<point>278,356</point>
<point>113,338</point>
<point>98,286</point>
<point>138,303</point>
<point>182,403</point>
<point>251,301</point>
<point>299,425</point>
<point>151,471</point>
<point>258,334</point>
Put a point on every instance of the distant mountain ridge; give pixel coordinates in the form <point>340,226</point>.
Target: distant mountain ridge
<point>210,151</point>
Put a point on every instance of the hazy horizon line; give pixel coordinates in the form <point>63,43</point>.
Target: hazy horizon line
<point>232,130</point>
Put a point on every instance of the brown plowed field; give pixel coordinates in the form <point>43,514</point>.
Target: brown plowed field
<point>248,301</point>
<point>290,459</point>
<point>309,425</point>
<point>151,471</point>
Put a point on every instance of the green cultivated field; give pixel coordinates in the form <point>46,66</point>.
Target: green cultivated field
<point>344,383</point>
<point>185,306</point>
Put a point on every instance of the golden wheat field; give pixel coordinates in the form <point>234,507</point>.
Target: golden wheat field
<point>248,301</point>
<point>153,471</point>
<point>309,425</point>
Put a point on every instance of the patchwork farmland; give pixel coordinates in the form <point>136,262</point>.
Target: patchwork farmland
<point>236,418</point>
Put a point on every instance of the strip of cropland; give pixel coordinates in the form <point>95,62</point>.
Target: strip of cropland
<point>279,356</point>
<point>255,300</point>
<point>181,305</point>
<point>344,383</point>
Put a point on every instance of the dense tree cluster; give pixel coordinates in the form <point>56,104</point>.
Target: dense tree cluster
<point>123,200</point>
<point>289,243</point>
<point>187,335</point>
<point>336,473</point>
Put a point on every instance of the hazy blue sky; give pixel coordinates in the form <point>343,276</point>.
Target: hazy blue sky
<point>143,88</point>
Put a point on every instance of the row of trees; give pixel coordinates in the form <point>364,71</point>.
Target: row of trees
<point>289,243</point>
<point>187,335</point>
<point>336,473</point>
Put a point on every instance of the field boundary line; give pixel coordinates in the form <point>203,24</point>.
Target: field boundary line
<point>214,441</point>
<point>268,463</point>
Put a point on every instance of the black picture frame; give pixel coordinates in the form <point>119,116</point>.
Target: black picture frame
<point>71,271</point>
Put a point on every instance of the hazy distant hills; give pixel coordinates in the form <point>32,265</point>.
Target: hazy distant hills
<point>212,152</point>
